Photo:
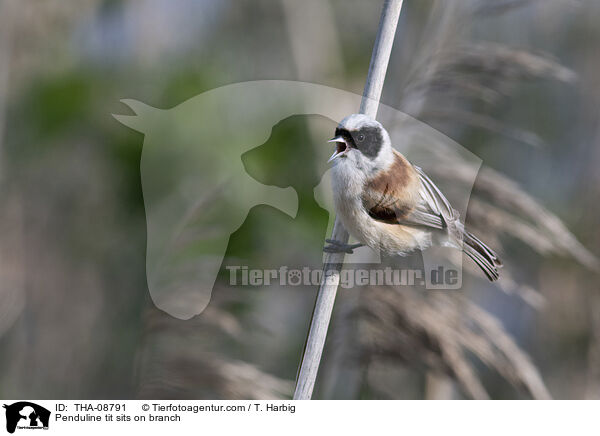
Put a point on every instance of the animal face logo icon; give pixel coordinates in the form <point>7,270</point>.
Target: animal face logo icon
<point>26,415</point>
<point>196,189</point>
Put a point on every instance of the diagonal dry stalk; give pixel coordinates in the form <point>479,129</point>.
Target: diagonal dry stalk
<point>441,331</point>
<point>333,261</point>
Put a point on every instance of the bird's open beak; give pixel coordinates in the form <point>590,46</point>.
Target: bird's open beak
<point>342,147</point>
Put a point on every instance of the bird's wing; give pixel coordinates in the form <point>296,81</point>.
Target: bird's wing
<point>433,200</point>
<point>387,197</point>
<point>389,205</point>
<point>420,217</point>
<point>385,207</point>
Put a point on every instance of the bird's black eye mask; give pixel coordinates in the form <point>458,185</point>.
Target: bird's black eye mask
<point>367,140</point>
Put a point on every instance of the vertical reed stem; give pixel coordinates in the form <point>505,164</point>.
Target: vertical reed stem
<point>334,261</point>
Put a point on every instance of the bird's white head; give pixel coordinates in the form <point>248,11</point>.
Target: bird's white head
<point>361,144</point>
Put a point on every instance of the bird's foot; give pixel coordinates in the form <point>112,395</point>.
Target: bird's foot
<point>339,247</point>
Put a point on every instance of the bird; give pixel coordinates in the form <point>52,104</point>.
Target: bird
<point>391,205</point>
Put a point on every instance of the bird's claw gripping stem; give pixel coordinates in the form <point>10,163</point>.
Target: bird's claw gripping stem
<point>339,247</point>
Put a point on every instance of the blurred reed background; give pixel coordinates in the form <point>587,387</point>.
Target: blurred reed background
<point>514,81</point>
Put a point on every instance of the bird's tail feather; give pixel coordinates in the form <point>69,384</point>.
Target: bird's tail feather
<point>482,255</point>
